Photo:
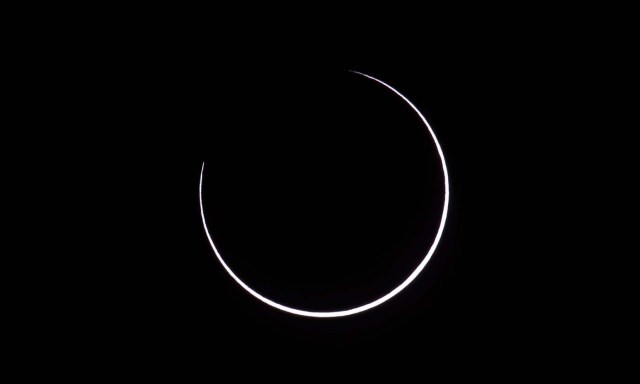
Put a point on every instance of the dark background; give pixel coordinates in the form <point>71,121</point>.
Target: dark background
<point>323,191</point>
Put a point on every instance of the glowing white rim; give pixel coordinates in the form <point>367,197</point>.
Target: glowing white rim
<point>384,298</point>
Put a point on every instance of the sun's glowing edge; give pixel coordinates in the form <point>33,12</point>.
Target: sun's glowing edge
<point>382,299</point>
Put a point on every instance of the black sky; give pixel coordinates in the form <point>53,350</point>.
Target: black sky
<point>323,190</point>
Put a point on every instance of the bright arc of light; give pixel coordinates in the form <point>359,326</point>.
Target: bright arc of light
<point>384,298</point>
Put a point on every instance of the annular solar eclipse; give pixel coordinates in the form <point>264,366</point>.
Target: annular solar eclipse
<point>393,292</point>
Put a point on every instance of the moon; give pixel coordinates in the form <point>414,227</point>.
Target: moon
<point>393,292</point>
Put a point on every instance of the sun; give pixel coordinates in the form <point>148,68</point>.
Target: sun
<point>382,299</point>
